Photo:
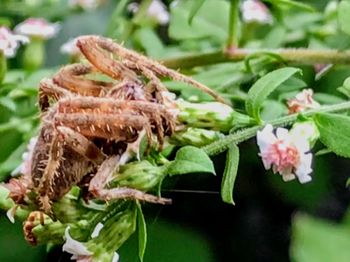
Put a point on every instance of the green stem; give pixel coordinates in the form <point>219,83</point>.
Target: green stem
<point>232,41</point>
<point>222,145</point>
<point>3,66</point>
<point>292,55</point>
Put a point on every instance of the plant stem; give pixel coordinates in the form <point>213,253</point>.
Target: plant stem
<point>222,145</point>
<point>232,41</point>
<point>292,55</point>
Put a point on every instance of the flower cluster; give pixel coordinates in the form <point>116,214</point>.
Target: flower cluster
<point>9,42</point>
<point>156,11</point>
<point>287,152</point>
<point>302,102</point>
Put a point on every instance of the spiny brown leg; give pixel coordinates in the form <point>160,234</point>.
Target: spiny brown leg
<point>47,90</point>
<point>120,127</point>
<point>53,163</point>
<point>100,180</point>
<point>81,145</point>
<point>72,78</point>
<point>85,44</point>
<point>99,54</point>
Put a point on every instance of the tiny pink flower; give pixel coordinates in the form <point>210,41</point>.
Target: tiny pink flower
<point>286,154</point>
<point>37,27</point>
<point>9,42</point>
<point>302,102</point>
<point>70,47</point>
<point>255,11</point>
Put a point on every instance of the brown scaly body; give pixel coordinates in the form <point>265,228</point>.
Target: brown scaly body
<point>88,125</point>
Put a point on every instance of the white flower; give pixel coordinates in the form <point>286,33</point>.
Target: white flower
<point>286,154</point>
<point>70,47</point>
<point>9,42</point>
<point>74,247</point>
<point>156,11</point>
<point>37,27</point>
<point>78,249</point>
<point>84,4</point>
<point>302,102</point>
<point>255,11</point>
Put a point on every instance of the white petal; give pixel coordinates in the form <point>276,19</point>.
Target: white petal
<point>304,168</point>
<point>74,247</point>
<point>97,230</point>
<point>11,214</point>
<point>282,133</point>
<point>288,177</point>
<point>265,137</point>
<point>115,257</point>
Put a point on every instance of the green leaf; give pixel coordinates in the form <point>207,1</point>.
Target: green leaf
<point>344,17</point>
<point>315,240</point>
<point>334,132</point>
<point>291,3</point>
<point>190,159</point>
<point>194,10</point>
<point>230,174</point>
<point>211,21</point>
<point>265,86</point>
<point>142,231</point>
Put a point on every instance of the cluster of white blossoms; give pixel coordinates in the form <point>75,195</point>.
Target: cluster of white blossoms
<point>288,152</point>
<point>156,10</point>
<point>255,11</point>
<point>9,42</point>
<point>37,28</point>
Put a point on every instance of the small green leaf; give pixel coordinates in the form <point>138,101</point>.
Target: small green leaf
<point>194,10</point>
<point>142,231</point>
<point>334,130</point>
<point>190,159</point>
<point>265,86</point>
<point>343,16</point>
<point>230,174</point>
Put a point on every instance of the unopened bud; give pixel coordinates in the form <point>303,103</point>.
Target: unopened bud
<point>195,136</point>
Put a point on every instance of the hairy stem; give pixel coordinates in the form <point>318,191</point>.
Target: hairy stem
<point>222,145</point>
<point>291,55</point>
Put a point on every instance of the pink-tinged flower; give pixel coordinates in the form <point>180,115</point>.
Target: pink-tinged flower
<point>284,153</point>
<point>37,27</point>
<point>302,102</point>
<point>9,42</point>
<point>84,4</point>
<point>255,11</point>
<point>156,10</point>
<point>70,47</point>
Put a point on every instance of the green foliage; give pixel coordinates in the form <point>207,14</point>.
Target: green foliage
<point>334,130</point>
<point>318,240</point>
<point>142,232</point>
<point>343,16</point>
<point>265,86</point>
<point>190,159</point>
<point>230,173</point>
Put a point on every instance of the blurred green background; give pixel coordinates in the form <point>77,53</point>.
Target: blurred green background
<point>271,221</point>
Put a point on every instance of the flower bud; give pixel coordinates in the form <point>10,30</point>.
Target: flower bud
<point>138,175</point>
<point>213,115</point>
<point>306,129</point>
<point>195,136</point>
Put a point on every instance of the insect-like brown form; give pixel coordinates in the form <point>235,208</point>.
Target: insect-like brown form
<point>89,126</point>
